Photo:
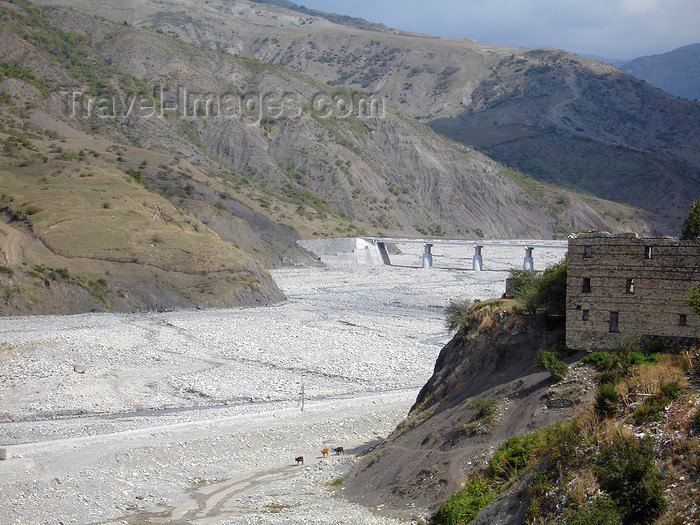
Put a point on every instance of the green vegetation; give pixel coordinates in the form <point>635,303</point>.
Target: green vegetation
<point>16,70</point>
<point>73,52</point>
<point>507,463</point>
<point>606,400</point>
<point>653,408</point>
<point>97,288</point>
<point>616,365</point>
<point>691,226</point>
<point>547,359</point>
<point>455,313</point>
<point>694,300</point>
<point>484,408</point>
<point>433,229</point>
<point>464,505</point>
<point>543,293</point>
<point>626,471</point>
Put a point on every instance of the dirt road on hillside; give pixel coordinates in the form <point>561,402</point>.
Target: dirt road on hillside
<point>12,247</point>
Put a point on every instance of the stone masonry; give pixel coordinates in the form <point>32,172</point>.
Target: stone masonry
<point>621,285</point>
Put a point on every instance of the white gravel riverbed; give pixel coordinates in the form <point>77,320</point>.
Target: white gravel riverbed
<point>194,416</point>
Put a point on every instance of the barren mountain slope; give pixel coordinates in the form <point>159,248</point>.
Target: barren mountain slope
<point>575,121</point>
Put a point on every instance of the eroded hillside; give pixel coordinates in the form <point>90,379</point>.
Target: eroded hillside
<point>578,122</point>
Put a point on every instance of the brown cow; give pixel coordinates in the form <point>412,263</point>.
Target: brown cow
<point>324,452</point>
<point>300,459</point>
<point>339,450</point>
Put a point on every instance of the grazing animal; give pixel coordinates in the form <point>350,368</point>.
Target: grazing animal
<point>339,450</point>
<point>324,452</point>
<point>300,459</point>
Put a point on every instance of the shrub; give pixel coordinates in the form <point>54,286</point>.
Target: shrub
<point>7,271</point>
<point>517,454</point>
<point>653,408</point>
<point>672,390</point>
<point>694,300</point>
<point>454,314</point>
<point>464,505</point>
<point>627,472</point>
<point>483,407</point>
<point>540,485</point>
<point>606,400</point>
<point>617,364</point>
<point>602,511</point>
<point>545,293</point>
<point>547,359</point>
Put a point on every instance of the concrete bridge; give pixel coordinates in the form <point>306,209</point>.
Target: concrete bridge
<point>373,250</point>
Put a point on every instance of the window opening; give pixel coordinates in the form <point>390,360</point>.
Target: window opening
<point>614,322</point>
<point>586,285</point>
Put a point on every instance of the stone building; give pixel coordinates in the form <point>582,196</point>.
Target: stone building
<point>621,285</point>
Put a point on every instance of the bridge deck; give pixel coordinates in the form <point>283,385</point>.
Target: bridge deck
<point>379,244</point>
<point>472,242</point>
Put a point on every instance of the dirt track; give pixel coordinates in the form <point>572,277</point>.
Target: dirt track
<point>12,248</point>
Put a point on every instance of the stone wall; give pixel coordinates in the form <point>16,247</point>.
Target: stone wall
<point>621,285</point>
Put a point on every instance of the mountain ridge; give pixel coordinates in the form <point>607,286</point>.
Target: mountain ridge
<point>676,71</point>
<point>444,81</point>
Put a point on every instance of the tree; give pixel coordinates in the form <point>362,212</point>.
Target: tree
<point>691,227</point>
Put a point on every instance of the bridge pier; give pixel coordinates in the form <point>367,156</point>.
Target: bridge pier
<point>478,261</point>
<point>381,247</point>
<point>427,256</point>
<point>528,263</point>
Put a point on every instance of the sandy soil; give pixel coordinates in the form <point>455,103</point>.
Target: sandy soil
<point>194,416</point>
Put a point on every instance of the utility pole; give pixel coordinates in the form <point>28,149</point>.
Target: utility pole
<point>302,392</point>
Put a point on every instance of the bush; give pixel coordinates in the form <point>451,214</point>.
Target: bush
<point>606,400</point>
<point>547,359</point>
<point>540,485</point>
<point>694,300</point>
<point>464,505</point>
<point>483,407</point>
<point>542,293</point>
<point>653,409</point>
<point>650,410</point>
<point>672,390</point>
<point>602,511</point>
<point>517,454</point>
<point>627,472</point>
<point>454,314</point>
<point>617,364</point>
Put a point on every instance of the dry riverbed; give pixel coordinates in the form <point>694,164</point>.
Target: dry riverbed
<point>195,417</point>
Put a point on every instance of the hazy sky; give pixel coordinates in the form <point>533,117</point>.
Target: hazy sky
<point>610,28</point>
